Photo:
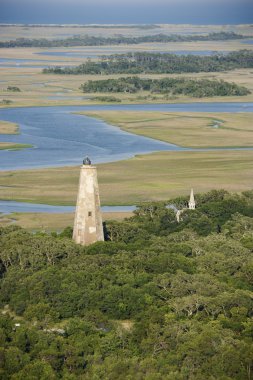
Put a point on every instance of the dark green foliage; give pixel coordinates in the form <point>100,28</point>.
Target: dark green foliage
<point>108,99</point>
<point>6,101</point>
<point>161,300</point>
<point>88,40</point>
<point>158,63</point>
<point>67,232</point>
<point>13,89</point>
<point>173,86</point>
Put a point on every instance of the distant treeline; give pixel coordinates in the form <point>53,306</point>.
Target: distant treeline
<point>173,86</point>
<point>93,26</point>
<point>88,40</point>
<point>157,63</point>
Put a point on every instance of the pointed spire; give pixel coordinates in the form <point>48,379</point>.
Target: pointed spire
<point>192,203</point>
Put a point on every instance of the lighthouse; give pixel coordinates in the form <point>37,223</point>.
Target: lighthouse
<point>88,226</point>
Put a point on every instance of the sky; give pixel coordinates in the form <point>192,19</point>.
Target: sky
<point>127,11</point>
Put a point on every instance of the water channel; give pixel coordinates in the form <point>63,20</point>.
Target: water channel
<point>86,53</point>
<point>60,137</point>
<point>98,52</point>
<point>8,207</point>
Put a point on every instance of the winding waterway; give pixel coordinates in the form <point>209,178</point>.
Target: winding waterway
<point>8,207</point>
<point>61,137</point>
<point>96,53</point>
<point>23,62</point>
<point>84,54</point>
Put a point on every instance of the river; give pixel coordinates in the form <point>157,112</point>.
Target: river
<point>85,53</point>
<point>62,138</point>
<point>8,207</point>
<point>99,51</point>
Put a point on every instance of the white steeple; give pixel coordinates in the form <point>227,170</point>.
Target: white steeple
<point>191,203</point>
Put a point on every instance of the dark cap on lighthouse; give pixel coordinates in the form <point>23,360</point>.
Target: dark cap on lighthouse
<point>86,161</point>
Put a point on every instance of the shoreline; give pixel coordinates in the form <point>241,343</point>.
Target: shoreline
<point>28,207</point>
<point>217,100</point>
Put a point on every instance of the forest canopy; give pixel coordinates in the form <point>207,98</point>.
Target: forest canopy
<point>158,300</point>
<point>171,86</point>
<point>158,63</point>
<point>88,40</point>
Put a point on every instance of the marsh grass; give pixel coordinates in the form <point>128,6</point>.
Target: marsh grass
<point>51,222</point>
<point>37,89</point>
<point>62,31</point>
<point>8,128</point>
<point>13,146</point>
<point>192,130</point>
<point>152,177</point>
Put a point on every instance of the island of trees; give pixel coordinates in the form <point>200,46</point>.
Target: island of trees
<point>13,89</point>
<point>158,300</point>
<point>158,63</point>
<point>88,40</point>
<point>92,26</point>
<point>171,86</point>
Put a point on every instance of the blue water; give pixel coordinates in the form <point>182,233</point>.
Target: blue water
<point>86,53</point>
<point>22,62</point>
<point>65,97</point>
<point>23,66</point>
<point>248,42</point>
<point>194,52</point>
<point>7,207</point>
<point>62,138</point>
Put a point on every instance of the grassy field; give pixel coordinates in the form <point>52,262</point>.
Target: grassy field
<point>25,31</point>
<point>51,222</point>
<point>14,146</point>
<point>7,128</point>
<point>193,130</point>
<point>151,177</point>
<point>39,89</point>
<point>157,176</point>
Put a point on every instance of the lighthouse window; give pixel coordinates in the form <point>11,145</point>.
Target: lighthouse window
<point>89,213</point>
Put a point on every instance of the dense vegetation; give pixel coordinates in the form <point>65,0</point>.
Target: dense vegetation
<point>137,63</point>
<point>160,301</point>
<point>108,99</point>
<point>13,89</point>
<point>89,40</point>
<point>89,26</point>
<point>6,101</point>
<point>172,86</point>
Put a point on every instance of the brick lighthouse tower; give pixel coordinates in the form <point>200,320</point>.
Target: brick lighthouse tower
<point>88,227</point>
